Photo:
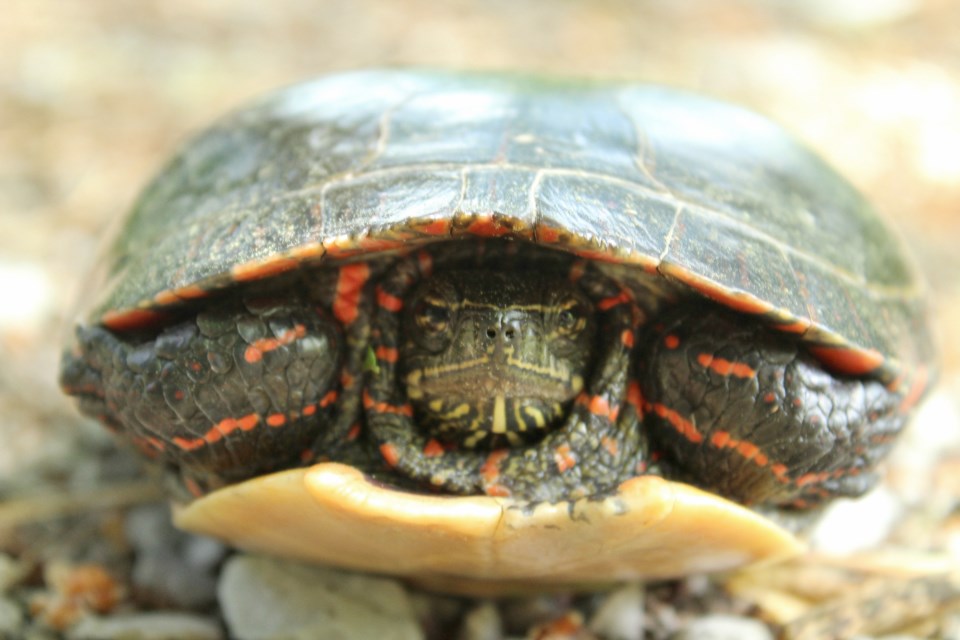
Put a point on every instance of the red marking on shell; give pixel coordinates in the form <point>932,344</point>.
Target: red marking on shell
<point>350,282</point>
<point>133,319</point>
<point>387,354</point>
<point>383,244</point>
<point>683,426</point>
<point>726,367</point>
<point>497,491</point>
<point>388,301</point>
<point>564,458</point>
<point>310,409</point>
<point>770,397</point>
<point>671,341</point>
<point>488,227</point>
<point>736,300</point>
<point>307,251</point>
<point>176,296</point>
<point>260,269</point>
<point>437,227</point>
<point>389,453</point>
<point>548,235</point>
<point>254,352</point>
<point>276,420</point>
<point>166,298</point>
<point>354,432</point>
<point>433,449</point>
<point>596,255</point>
<point>609,303</point>
<point>846,359</point>
<point>627,338</point>
<point>798,327</point>
<point>306,456</point>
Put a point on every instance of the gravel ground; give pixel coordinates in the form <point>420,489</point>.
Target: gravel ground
<point>94,94</point>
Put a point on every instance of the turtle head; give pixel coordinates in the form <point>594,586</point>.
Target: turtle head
<point>494,359</point>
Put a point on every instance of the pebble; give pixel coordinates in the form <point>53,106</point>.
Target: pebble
<point>482,623</point>
<point>849,525</point>
<point>147,626</point>
<point>11,619</point>
<point>724,627</point>
<point>620,617</point>
<point>172,567</point>
<point>270,599</point>
<point>11,572</point>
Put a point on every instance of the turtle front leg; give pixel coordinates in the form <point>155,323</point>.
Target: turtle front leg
<point>233,392</point>
<point>746,412</point>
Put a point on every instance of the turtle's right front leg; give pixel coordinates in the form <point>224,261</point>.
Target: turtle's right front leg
<point>233,392</point>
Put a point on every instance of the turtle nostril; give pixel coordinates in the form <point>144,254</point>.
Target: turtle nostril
<point>491,333</point>
<point>509,333</point>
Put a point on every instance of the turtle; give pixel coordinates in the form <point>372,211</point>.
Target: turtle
<point>486,330</point>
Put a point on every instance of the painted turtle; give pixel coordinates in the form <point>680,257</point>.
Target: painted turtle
<point>502,328</point>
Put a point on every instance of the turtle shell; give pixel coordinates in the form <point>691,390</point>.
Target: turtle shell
<point>711,197</point>
<point>703,192</point>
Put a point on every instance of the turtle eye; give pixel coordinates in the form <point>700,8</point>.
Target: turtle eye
<point>432,316</point>
<point>570,317</point>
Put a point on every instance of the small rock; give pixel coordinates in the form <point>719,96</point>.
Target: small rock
<point>269,599</point>
<point>519,614</point>
<point>437,614</point>
<point>569,626</point>
<point>147,626</point>
<point>11,572</point>
<point>11,619</point>
<point>620,617</point>
<point>723,627</point>
<point>482,623</point>
<point>854,525</point>
<point>171,567</point>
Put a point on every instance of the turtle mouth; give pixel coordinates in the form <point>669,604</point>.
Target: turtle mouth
<point>484,377</point>
<point>491,402</point>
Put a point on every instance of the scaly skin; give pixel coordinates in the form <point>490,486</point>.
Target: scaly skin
<point>316,371</point>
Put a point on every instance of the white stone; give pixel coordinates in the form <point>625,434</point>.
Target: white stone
<point>147,626</point>
<point>269,599</point>
<point>620,617</point>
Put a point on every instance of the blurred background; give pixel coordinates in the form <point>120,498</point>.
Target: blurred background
<point>95,94</point>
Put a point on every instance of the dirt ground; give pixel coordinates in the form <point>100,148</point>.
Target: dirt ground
<point>95,94</point>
